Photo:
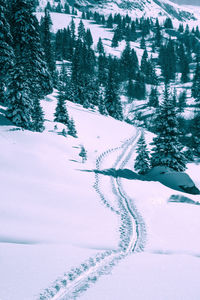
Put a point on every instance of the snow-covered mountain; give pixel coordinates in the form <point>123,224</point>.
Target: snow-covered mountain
<point>136,8</point>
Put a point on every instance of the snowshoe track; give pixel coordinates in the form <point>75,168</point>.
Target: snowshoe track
<point>132,234</point>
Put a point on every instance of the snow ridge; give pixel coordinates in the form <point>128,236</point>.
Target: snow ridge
<point>136,8</point>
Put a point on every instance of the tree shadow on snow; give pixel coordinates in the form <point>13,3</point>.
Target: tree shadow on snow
<point>173,184</point>
<point>122,173</point>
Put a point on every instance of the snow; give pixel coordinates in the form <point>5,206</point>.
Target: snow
<point>169,266</point>
<point>49,204</point>
<point>61,21</point>
<point>150,276</point>
<point>51,216</point>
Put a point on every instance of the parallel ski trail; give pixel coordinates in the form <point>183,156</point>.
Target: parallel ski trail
<point>132,233</point>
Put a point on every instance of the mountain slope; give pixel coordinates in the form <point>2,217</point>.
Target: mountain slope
<point>52,217</point>
<point>136,8</point>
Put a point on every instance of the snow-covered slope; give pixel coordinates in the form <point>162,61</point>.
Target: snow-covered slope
<point>135,8</point>
<point>51,216</point>
<point>52,219</point>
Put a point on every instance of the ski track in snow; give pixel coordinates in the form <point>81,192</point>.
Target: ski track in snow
<point>132,233</point>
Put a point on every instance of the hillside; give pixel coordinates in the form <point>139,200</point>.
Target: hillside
<point>100,151</point>
<point>136,8</point>
<point>57,226</point>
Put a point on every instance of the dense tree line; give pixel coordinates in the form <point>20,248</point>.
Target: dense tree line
<point>25,75</point>
<point>91,78</point>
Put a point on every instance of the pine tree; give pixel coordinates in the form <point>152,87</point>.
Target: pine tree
<point>184,64</point>
<point>150,76</point>
<point>72,29</point>
<point>61,114</point>
<point>102,63</point>
<point>102,106</point>
<point>142,161</point>
<point>20,104</point>
<point>125,63</point>
<point>30,79</point>
<point>142,43</point>
<point>195,134</point>
<point>86,103</point>
<point>59,45</point>
<point>6,50</point>
<point>139,87</point>
<point>37,116</point>
<point>67,44</point>
<point>83,154</point>
<point>144,63</point>
<point>130,90</point>
<point>59,8</point>
<point>196,83</point>
<point>182,101</point>
<point>112,99</point>
<point>67,8</point>
<point>88,38</point>
<point>71,128</point>
<point>100,47</point>
<point>81,30</point>
<point>181,28</point>
<point>168,23</point>
<point>153,98</point>
<point>39,73</point>
<point>128,63</point>
<point>158,37</point>
<point>167,60</point>
<point>110,21</point>
<point>47,43</point>
<point>174,98</point>
<point>167,150</point>
<point>133,30</point>
<point>115,41</point>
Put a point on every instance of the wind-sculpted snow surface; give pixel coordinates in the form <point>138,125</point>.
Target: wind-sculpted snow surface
<point>132,233</point>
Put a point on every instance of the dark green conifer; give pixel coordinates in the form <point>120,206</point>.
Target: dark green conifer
<point>142,161</point>
<point>167,149</point>
<point>71,128</point>
<point>6,50</point>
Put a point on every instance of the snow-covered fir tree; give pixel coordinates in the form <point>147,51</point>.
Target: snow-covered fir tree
<point>153,98</point>
<point>112,99</point>
<point>30,79</point>
<point>167,149</point>
<point>6,50</point>
<point>46,39</point>
<point>88,38</point>
<point>37,116</point>
<point>101,104</point>
<point>100,47</point>
<point>142,161</point>
<point>20,103</point>
<point>71,128</point>
<point>86,103</point>
<point>195,134</point>
<point>83,154</point>
<point>61,114</point>
<point>130,90</point>
<point>27,47</point>
<point>196,82</point>
<point>182,101</point>
<point>81,30</point>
